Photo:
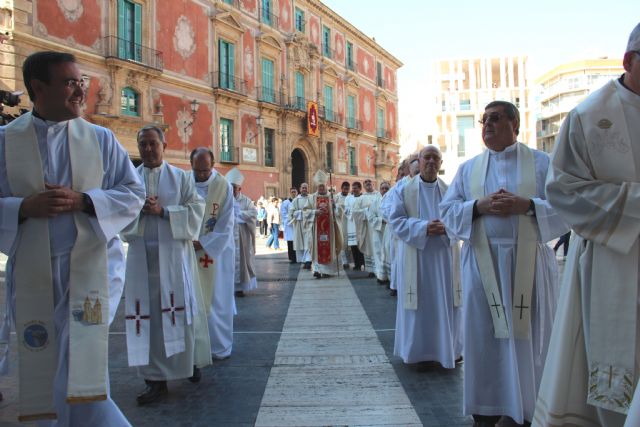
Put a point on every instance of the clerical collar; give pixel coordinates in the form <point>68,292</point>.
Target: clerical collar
<point>36,115</point>
<point>508,149</point>
<point>428,182</point>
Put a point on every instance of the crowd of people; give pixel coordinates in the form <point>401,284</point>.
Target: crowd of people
<point>469,262</point>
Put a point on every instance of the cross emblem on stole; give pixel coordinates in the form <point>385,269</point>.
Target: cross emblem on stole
<point>205,261</point>
<point>172,309</point>
<point>137,317</point>
<point>521,306</point>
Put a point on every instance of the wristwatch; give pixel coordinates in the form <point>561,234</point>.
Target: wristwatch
<point>532,209</point>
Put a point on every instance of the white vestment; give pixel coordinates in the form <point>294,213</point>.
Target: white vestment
<point>220,245</point>
<point>162,280</point>
<point>116,203</point>
<point>339,200</point>
<point>284,221</point>
<point>433,331</point>
<point>333,267</point>
<point>244,230</point>
<point>369,248</point>
<point>593,183</point>
<point>385,209</point>
<point>301,228</point>
<point>377,226</point>
<point>502,376</point>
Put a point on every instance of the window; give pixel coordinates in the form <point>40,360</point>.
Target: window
<point>266,12</point>
<point>226,140</point>
<point>379,79</point>
<point>129,30</point>
<point>465,104</point>
<point>464,123</point>
<point>330,156</point>
<point>299,17</point>
<point>129,102</point>
<point>381,127</point>
<point>353,170</point>
<point>269,138</point>
<point>328,103</point>
<point>326,41</point>
<point>227,65</point>
<point>300,91</point>
<point>351,111</point>
<point>268,94</point>
<point>349,61</point>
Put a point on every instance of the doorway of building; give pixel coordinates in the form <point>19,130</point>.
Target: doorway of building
<point>298,168</point>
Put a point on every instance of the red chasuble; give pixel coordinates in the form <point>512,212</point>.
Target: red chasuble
<point>323,229</point>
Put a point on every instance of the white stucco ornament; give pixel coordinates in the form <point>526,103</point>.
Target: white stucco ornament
<point>365,65</point>
<point>285,15</point>
<point>71,9</point>
<point>314,32</point>
<point>184,38</point>
<point>183,122</point>
<point>248,62</point>
<point>366,106</point>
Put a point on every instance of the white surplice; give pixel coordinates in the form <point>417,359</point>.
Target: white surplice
<point>593,183</point>
<point>502,376</point>
<point>339,199</point>
<point>220,244</point>
<point>116,203</point>
<point>377,226</point>
<point>244,231</point>
<point>310,214</point>
<point>433,331</point>
<point>284,220</point>
<point>162,279</point>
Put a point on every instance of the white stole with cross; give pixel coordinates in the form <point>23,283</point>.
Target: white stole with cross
<point>411,198</point>
<point>614,271</point>
<point>88,285</point>
<point>178,300</point>
<point>525,249</point>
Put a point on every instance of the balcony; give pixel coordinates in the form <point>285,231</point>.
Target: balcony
<point>233,3</point>
<point>229,154</point>
<point>380,82</point>
<point>301,27</point>
<point>353,169</point>
<point>269,18</point>
<point>351,65</point>
<point>297,103</point>
<point>270,95</point>
<point>228,82</point>
<point>327,52</point>
<point>354,125</point>
<point>126,50</point>
<point>383,134</point>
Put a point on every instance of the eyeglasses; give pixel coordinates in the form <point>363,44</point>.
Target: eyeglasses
<point>75,84</point>
<point>493,118</point>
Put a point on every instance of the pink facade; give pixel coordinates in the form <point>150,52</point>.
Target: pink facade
<point>176,111</point>
<point>390,79</point>
<point>390,120</point>
<point>286,16</point>
<point>249,129</point>
<point>249,5</point>
<point>314,30</point>
<point>83,27</point>
<point>366,63</point>
<point>367,110</point>
<point>367,160</point>
<point>339,48</point>
<point>248,59</point>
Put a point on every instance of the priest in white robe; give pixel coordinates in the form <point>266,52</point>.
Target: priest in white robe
<point>245,235</point>
<point>496,205</point>
<point>74,183</point>
<point>164,308</point>
<point>593,363</point>
<point>340,199</point>
<point>371,196</point>
<point>288,232</point>
<point>214,248</point>
<point>428,316</point>
<point>377,228</point>
<point>358,238</point>
<point>326,236</point>
<point>301,226</point>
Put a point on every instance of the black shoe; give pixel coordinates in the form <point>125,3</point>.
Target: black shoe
<point>197,375</point>
<point>239,294</point>
<point>393,293</point>
<point>371,275</point>
<point>292,262</point>
<point>307,266</point>
<point>459,360</point>
<point>316,274</point>
<point>346,266</point>
<point>324,276</point>
<point>381,282</point>
<point>154,392</point>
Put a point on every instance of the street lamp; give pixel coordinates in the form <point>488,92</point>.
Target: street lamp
<point>187,122</point>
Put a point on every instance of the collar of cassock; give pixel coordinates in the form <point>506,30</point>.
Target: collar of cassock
<point>509,149</point>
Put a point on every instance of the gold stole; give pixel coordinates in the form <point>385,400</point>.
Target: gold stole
<point>88,286</point>
<point>216,199</point>
<point>525,250</point>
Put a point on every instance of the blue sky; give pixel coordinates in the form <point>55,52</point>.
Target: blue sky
<point>549,32</point>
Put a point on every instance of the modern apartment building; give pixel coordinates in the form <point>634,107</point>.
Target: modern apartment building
<point>463,88</point>
<point>232,75</point>
<point>564,87</point>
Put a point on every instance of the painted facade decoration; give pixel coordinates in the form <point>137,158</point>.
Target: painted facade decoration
<point>339,47</point>
<point>367,110</point>
<point>286,18</point>
<point>366,63</point>
<point>76,22</point>
<point>248,58</point>
<point>314,30</point>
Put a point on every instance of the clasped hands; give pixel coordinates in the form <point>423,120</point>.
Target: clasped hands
<point>435,228</point>
<point>55,200</point>
<point>503,203</point>
<point>151,206</point>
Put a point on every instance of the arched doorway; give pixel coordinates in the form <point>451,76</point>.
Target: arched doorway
<point>298,168</point>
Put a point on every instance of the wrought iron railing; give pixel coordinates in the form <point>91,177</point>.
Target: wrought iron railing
<point>220,80</point>
<point>300,27</point>
<point>116,47</point>
<point>380,82</point>
<point>297,103</point>
<point>270,95</point>
<point>328,52</point>
<point>269,18</point>
<point>229,154</point>
<point>383,133</point>
<point>351,65</point>
<point>353,123</point>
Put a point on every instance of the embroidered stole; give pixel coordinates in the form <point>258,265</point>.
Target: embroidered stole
<point>613,305</point>
<point>411,197</point>
<point>323,236</point>
<point>525,250</point>
<point>88,285</point>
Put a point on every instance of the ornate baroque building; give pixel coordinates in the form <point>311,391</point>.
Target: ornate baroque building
<point>233,75</point>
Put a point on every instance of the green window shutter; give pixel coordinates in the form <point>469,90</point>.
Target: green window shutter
<point>380,122</point>
<point>326,41</point>
<point>300,90</point>
<point>351,111</point>
<point>231,65</point>
<point>222,58</point>
<point>349,50</point>
<point>137,22</point>
<point>266,11</point>
<point>328,102</point>
<point>267,80</point>
<point>121,29</point>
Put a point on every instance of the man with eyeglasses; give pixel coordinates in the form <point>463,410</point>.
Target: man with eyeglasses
<point>67,188</point>
<point>496,205</point>
<point>593,364</point>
